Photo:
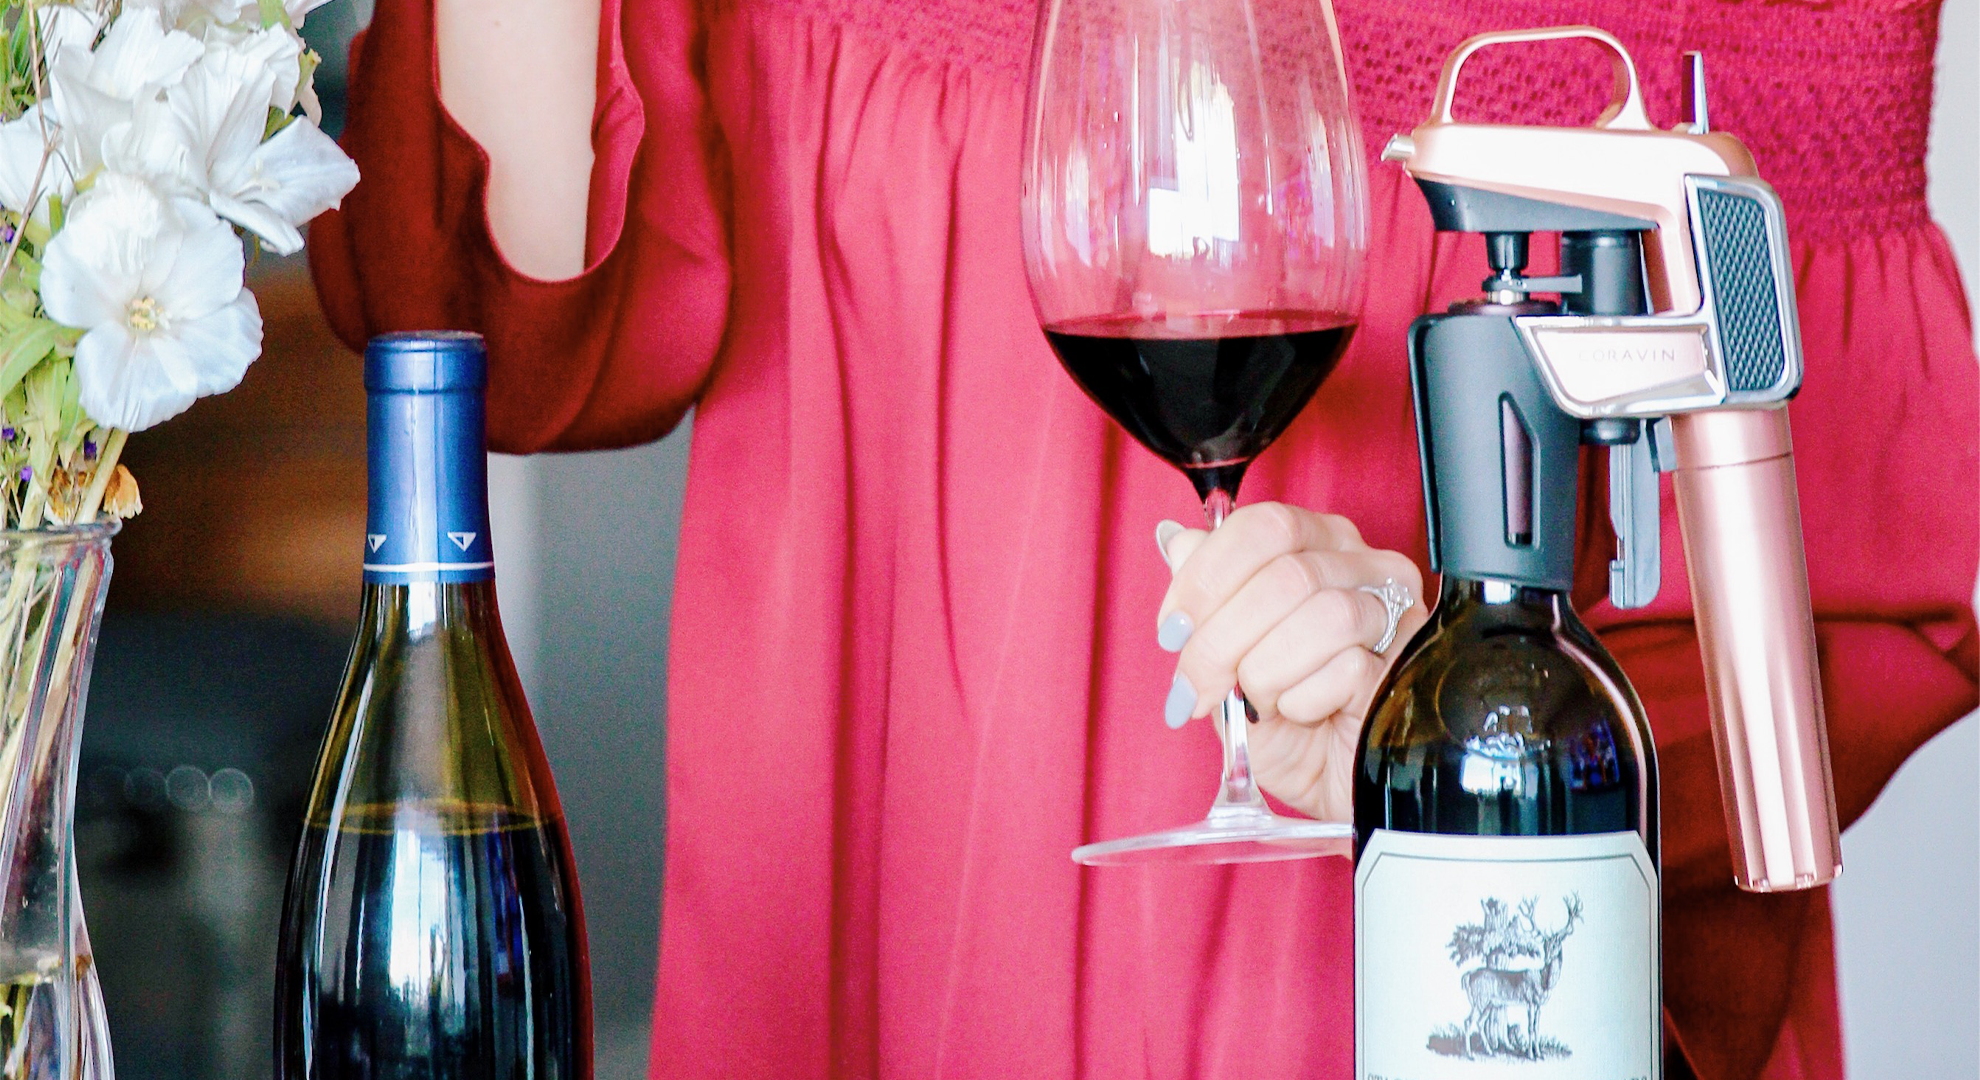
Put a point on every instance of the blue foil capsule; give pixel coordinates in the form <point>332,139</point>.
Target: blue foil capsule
<point>427,519</point>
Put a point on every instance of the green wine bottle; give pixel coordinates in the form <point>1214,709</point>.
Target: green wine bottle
<point>432,926</point>
<point>1505,789</point>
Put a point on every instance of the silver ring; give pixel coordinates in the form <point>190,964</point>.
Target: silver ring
<point>1395,600</point>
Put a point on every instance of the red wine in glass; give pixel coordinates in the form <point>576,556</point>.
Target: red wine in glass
<point>1194,223</point>
<point>1208,393</point>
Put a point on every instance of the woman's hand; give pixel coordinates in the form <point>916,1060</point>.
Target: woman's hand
<point>1272,602</point>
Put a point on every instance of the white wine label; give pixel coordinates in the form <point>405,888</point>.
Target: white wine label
<point>1506,958</point>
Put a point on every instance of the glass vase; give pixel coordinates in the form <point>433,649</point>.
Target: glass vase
<point>52,584</point>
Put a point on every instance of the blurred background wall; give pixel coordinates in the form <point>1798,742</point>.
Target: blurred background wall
<point>232,606</point>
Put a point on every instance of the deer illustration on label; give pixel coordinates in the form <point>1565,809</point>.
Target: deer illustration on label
<point>1498,942</point>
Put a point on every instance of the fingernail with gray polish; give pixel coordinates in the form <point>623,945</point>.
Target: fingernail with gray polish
<point>1174,632</point>
<point>1182,702</point>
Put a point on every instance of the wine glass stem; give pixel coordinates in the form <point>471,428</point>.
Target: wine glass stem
<point>1217,506</point>
<point>1238,790</point>
<point>1238,793</point>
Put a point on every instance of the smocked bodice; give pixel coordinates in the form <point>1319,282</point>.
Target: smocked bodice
<point>1833,100</point>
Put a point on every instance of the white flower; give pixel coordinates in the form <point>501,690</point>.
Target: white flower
<point>192,14</point>
<point>170,141</point>
<point>294,176</point>
<point>94,92</point>
<point>280,51</point>
<point>65,25</point>
<point>188,13</point>
<point>157,286</point>
<point>171,13</point>
<point>137,57</point>
<point>154,145</point>
<point>205,142</point>
<point>31,164</point>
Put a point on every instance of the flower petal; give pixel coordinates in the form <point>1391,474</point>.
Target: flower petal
<point>65,25</point>
<point>86,112</point>
<point>275,49</point>
<point>276,234</point>
<point>103,256</point>
<point>120,495</point>
<point>223,104</point>
<point>220,346</point>
<point>204,273</point>
<point>24,144</point>
<point>125,383</point>
<point>155,145</point>
<point>139,55</point>
<point>209,12</point>
<point>75,292</point>
<point>298,173</point>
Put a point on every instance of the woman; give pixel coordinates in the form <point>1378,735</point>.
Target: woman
<point>913,659</point>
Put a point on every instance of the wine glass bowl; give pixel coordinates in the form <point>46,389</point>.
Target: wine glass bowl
<point>1194,230</point>
<point>1191,158</point>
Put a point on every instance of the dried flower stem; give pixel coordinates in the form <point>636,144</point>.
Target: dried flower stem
<point>99,481</point>
<point>47,140</point>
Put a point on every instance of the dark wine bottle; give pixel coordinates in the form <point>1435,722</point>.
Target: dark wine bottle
<point>432,926</point>
<point>1505,791</point>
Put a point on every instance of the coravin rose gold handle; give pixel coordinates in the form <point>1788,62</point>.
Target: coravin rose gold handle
<point>1749,588</point>
<point>1624,111</point>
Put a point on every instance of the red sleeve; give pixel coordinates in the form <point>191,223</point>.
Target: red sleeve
<point>1887,457</point>
<point>611,357</point>
<point>1729,956</point>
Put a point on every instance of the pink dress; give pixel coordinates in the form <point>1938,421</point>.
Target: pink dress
<point>914,658</point>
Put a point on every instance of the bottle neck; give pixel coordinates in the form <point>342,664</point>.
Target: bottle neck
<point>427,516</point>
<point>432,731</point>
<point>417,610</point>
<point>1460,593</point>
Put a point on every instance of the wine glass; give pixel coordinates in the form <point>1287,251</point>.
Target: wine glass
<point>1194,229</point>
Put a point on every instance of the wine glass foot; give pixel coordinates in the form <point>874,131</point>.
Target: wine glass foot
<point>1226,837</point>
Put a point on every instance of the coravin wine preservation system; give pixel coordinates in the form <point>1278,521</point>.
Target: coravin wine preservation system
<point>1674,344</point>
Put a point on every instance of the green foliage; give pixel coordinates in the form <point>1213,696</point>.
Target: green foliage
<point>50,455</point>
<point>47,442</point>
<point>23,349</point>
<point>19,77</point>
<point>22,82</point>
